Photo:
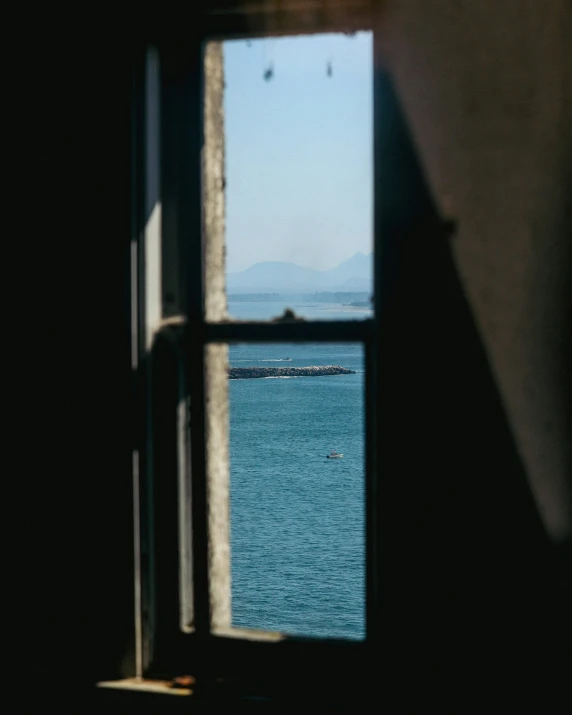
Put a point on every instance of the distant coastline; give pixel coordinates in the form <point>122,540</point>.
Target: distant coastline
<point>354,275</point>
<point>350,298</point>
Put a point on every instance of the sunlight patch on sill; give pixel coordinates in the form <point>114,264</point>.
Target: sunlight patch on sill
<point>164,687</point>
<point>249,634</point>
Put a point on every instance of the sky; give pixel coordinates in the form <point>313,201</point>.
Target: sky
<point>299,168</point>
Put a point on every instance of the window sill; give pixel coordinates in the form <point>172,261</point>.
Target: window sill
<point>140,685</point>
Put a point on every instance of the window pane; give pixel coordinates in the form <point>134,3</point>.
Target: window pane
<point>299,176</point>
<point>297,517</point>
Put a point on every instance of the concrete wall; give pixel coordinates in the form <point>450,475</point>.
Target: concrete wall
<point>217,416</point>
<point>487,89</point>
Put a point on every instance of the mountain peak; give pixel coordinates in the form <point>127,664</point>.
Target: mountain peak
<point>268,276</point>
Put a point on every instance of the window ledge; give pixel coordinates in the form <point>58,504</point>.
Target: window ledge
<point>158,687</point>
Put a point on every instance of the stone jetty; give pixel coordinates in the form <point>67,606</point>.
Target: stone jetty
<point>248,373</point>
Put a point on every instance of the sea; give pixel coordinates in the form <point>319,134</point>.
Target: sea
<point>298,518</point>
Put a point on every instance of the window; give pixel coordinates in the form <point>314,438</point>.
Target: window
<point>183,580</point>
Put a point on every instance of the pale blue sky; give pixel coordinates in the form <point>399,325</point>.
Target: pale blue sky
<point>299,164</point>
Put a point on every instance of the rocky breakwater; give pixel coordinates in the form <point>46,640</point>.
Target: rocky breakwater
<point>248,373</point>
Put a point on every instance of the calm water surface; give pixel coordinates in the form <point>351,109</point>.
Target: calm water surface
<point>297,518</point>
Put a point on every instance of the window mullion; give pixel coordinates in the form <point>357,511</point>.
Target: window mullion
<point>189,84</point>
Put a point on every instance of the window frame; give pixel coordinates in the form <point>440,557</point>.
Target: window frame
<point>164,651</point>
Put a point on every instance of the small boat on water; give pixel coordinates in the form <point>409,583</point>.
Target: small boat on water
<point>286,359</point>
<point>334,455</point>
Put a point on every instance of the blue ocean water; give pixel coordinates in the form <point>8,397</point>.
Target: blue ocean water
<point>297,518</point>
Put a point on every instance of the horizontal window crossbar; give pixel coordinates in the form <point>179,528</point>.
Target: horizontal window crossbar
<point>303,331</point>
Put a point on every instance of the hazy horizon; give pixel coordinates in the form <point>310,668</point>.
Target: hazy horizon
<point>299,170</point>
<point>296,263</point>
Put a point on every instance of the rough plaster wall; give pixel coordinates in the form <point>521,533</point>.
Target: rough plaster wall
<point>218,483</point>
<point>487,88</point>
<point>216,355</point>
<point>214,183</point>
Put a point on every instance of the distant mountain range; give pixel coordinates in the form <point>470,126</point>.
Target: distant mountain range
<point>355,275</point>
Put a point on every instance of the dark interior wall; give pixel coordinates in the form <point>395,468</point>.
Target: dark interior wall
<point>473,595</point>
<point>473,589</point>
<point>74,453</point>
<point>476,423</point>
<point>486,89</point>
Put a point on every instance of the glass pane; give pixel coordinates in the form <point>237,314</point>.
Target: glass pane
<point>297,486</point>
<point>299,176</point>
